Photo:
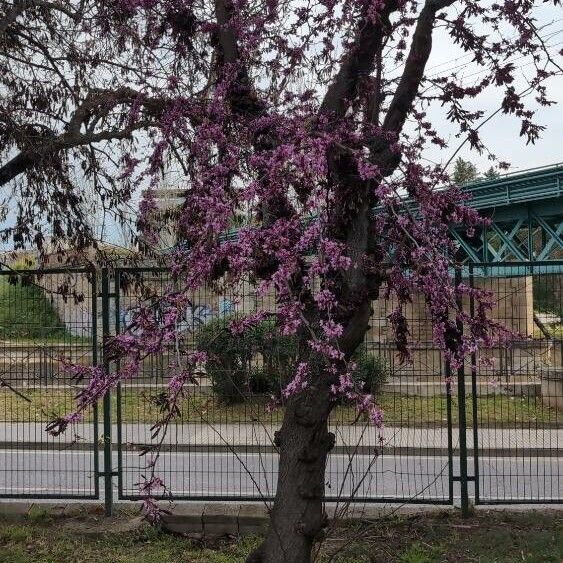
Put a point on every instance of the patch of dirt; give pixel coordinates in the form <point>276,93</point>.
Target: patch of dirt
<point>96,525</point>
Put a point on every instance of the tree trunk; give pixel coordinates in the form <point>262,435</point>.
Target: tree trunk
<point>298,516</point>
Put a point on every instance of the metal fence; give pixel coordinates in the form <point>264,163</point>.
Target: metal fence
<point>493,438</point>
<point>46,317</point>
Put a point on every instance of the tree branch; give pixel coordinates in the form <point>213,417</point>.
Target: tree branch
<point>243,96</point>
<point>20,6</point>
<point>415,64</point>
<point>54,67</point>
<point>10,17</point>
<point>359,62</point>
<point>25,159</point>
<point>95,101</point>
<point>409,84</point>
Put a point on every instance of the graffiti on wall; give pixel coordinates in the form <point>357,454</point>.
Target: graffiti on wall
<point>193,317</point>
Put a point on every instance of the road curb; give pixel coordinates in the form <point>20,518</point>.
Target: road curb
<point>197,520</point>
<point>268,449</point>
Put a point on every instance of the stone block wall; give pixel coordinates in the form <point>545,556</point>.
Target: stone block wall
<point>514,307</point>
<point>514,301</point>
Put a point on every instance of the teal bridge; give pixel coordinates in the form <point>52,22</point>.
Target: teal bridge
<point>526,212</point>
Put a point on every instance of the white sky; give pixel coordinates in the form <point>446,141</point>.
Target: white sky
<point>501,134</point>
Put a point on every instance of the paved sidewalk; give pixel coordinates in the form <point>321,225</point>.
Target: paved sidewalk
<point>255,435</point>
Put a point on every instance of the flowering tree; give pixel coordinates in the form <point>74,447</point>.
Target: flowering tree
<point>308,119</point>
<point>67,101</point>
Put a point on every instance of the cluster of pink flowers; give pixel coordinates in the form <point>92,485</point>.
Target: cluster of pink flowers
<point>331,329</point>
<point>299,381</point>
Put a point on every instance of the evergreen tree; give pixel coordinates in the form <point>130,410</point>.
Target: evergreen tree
<point>464,171</point>
<point>491,174</point>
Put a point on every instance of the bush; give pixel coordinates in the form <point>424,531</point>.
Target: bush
<point>26,311</point>
<point>260,360</point>
<point>547,296</point>
<point>371,371</point>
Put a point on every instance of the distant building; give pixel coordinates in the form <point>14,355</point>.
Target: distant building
<point>169,201</point>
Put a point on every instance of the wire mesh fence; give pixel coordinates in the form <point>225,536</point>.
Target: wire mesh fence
<point>45,319</point>
<point>517,399</point>
<point>222,444</point>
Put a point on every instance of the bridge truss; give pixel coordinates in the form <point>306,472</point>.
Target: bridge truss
<point>526,213</point>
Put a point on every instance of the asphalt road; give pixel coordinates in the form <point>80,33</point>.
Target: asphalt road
<point>30,472</point>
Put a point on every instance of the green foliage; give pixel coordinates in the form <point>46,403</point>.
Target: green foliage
<point>90,541</point>
<point>263,361</point>
<point>418,553</point>
<point>25,311</point>
<point>400,410</point>
<point>39,515</point>
<point>260,360</point>
<point>547,296</point>
<point>488,537</point>
<point>464,171</point>
<point>23,262</point>
<point>491,174</point>
<point>372,371</point>
<point>14,533</point>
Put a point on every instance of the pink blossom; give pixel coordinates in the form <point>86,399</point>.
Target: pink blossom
<point>331,329</point>
<point>299,381</point>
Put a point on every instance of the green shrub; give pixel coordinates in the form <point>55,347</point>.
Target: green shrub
<point>25,310</point>
<point>261,381</point>
<point>371,371</point>
<point>260,360</point>
<point>546,294</point>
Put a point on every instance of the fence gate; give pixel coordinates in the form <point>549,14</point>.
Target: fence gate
<point>516,403</point>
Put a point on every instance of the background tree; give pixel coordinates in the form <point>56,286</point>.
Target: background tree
<point>491,174</point>
<point>310,119</point>
<point>464,172</point>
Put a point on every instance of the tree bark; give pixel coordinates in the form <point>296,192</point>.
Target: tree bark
<point>298,516</point>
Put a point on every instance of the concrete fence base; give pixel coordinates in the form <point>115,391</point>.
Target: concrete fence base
<point>211,520</point>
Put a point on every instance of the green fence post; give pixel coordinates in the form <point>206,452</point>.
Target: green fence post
<point>108,469</point>
<point>95,359</point>
<point>474,394</point>
<point>117,294</point>
<point>462,420</point>
<point>448,372</point>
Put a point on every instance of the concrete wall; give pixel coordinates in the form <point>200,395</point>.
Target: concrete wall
<point>514,305</point>
<point>514,308</point>
<point>514,301</point>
